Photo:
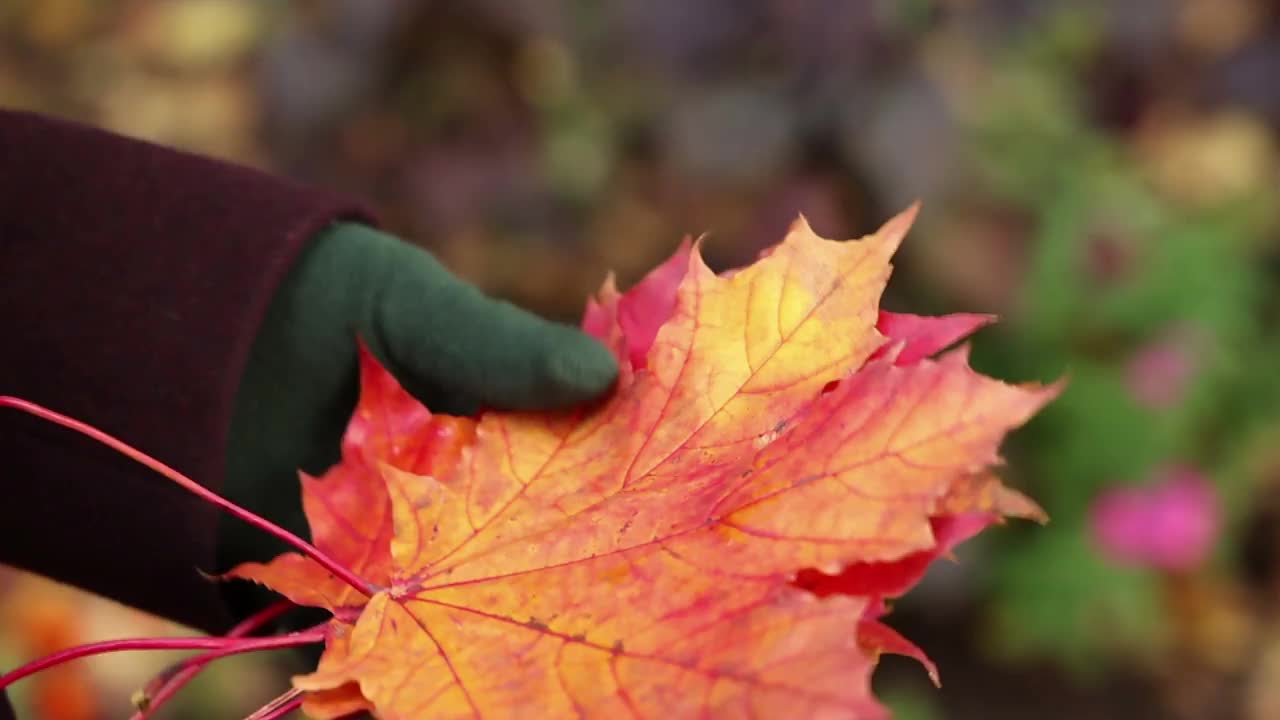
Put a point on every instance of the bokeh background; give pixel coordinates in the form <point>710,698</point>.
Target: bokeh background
<point>1100,174</point>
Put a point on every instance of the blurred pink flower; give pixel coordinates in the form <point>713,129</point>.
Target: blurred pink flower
<point>1170,524</point>
<point>1159,372</point>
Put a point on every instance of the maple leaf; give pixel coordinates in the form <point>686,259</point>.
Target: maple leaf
<point>715,539</point>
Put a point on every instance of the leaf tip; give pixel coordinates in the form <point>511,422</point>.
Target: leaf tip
<point>799,230</point>
<point>895,229</point>
<point>1011,503</point>
<point>1044,394</point>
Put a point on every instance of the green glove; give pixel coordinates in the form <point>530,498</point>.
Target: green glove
<point>447,344</point>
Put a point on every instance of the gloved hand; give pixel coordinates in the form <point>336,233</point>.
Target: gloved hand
<point>447,344</point>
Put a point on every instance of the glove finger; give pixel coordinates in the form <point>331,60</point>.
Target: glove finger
<point>436,331</point>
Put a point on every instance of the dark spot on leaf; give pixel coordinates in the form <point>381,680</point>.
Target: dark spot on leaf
<point>618,648</point>
<point>536,624</point>
<point>782,425</point>
<point>578,637</point>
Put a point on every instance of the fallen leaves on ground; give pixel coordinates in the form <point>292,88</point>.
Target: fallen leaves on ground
<point>717,538</point>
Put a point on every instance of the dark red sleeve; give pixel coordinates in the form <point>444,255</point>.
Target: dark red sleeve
<point>132,281</point>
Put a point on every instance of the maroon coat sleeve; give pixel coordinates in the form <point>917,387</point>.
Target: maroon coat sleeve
<point>132,282</point>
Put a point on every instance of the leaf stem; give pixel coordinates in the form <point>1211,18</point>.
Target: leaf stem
<point>286,703</point>
<point>202,492</point>
<point>260,618</point>
<point>168,683</point>
<point>225,646</point>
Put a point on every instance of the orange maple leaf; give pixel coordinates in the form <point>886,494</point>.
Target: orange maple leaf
<point>716,539</point>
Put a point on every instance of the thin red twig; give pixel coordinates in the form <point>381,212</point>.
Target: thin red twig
<point>288,701</point>
<point>226,646</point>
<point>253,519</point>
<point>167,684</point>
<point>260,618</point>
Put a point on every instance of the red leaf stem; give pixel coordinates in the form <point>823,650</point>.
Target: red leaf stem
<point>167,684</point>
<point>253,519</point>
<point>289,701</point>
<point>225,646</point>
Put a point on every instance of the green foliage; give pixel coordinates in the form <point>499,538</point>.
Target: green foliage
<point>1191,270</point>
<point>1058,596</point>
<point>909,703</point>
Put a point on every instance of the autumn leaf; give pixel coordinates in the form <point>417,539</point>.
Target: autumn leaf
<point>716,539</point>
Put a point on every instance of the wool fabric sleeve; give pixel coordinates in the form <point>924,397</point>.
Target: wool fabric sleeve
<point>133,279</point>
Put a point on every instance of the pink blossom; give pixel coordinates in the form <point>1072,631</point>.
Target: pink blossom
<point>1158,373</point>
<point>1170,523</point>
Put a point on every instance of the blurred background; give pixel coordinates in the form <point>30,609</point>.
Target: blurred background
<point>1100,174</point>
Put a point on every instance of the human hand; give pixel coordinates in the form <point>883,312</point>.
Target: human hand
<point>449,345</point>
